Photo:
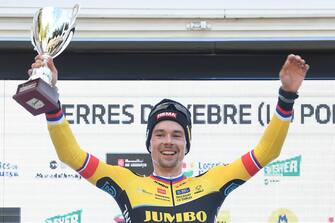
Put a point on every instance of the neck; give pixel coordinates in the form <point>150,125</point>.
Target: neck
<point>167,173</point>
<point>167,177</point>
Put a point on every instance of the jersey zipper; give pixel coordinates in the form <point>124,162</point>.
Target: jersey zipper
<point>173,204</point>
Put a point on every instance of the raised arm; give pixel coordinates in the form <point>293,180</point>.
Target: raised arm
<point>291,76</point>
<point>269,147</point>
<point>67,148</point>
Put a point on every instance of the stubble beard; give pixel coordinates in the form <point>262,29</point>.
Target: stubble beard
<point>168,163</point>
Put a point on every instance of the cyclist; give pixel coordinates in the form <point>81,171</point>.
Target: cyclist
<point>167,195</point>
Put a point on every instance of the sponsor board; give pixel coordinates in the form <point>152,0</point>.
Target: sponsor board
<point>73,217</point>
<point>10,214</point>
<point>8,169</point>
<point>194,168</point>
<point>57,171</point>
<point>139,163</point>
<point>258,114</point>
<point>283,215</point>
<point>278,169</point>
<point>99,110</point>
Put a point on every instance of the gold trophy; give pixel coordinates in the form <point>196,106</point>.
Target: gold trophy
<point>52,31</point>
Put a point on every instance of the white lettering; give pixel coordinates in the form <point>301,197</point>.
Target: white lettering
<point>126,214</point>
<point>167,114</point>
<point>294,166</point>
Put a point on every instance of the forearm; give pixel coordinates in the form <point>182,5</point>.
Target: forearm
<point>270,145</point>
<point>66,146</point>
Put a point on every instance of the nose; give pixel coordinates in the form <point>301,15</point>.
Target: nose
<point>168,139</point>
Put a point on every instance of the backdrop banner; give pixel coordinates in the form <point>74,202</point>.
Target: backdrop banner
<point>229,117</point>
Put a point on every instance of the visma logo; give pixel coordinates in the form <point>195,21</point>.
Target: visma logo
<point>283,215</point>
<point>157,216</point>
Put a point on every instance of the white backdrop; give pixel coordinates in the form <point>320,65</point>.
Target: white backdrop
<point>34,180</point>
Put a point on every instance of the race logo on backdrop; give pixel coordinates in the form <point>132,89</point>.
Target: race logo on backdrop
<point>205,166</point>
<point>139,163</point>
<point>8,169</point>
<point>73,217</point>
<point>283,215</point>
<point>276,170</point>
<point>188,169</point>
<point>58,171</point>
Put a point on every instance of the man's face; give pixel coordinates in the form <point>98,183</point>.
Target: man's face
<point>168,144</point>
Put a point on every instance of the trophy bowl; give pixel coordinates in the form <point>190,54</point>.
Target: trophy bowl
<point>51,33</point>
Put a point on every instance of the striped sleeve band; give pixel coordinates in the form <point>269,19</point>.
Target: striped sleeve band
<point>284,109</point>
<point>55,118</point>
<point>283,114</point>
<point>89,166</point>
<point>250,163</point>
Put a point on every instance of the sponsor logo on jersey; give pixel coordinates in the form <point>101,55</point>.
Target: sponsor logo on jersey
<point>106,184</point>
<point>187,216</point>
<point>198,189</point>
<point>161,184</point>
<point>183,191</point>
<point>126,214</point>
<point>161,191</point>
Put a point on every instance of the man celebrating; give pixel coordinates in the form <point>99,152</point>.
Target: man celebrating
<point>167,195</point>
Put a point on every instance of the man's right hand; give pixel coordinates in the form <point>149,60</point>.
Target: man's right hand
<point>39,62</point>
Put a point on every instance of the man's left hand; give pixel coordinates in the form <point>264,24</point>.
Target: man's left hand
<point>293,73</point>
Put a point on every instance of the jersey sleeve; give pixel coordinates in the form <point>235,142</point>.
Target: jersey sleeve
<point>69,152</point>
<point>267,149</point>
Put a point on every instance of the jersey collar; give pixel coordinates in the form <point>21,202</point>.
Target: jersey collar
<point>168,180</point>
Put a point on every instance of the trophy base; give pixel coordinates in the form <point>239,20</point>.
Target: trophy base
<point>37,96</point>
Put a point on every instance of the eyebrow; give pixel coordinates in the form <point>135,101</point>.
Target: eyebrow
<point>162,130</point>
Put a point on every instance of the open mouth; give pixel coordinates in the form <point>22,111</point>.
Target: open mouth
<point>168,153</point>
